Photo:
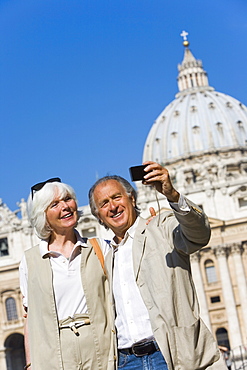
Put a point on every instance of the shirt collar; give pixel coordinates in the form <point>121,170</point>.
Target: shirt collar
<point>43,246</point>
<point>129,233</point>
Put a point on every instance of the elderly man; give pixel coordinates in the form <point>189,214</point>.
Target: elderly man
<point>157,314</point>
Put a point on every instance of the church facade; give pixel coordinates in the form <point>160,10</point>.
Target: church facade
<point>201,137</point>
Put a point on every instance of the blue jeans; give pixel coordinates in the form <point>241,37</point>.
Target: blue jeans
<point>155,361</point>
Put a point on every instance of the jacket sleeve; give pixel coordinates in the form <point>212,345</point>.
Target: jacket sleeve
<point>190,231</point>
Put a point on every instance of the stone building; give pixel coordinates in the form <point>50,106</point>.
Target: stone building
<point>14,236</point>
<point>201,138</point>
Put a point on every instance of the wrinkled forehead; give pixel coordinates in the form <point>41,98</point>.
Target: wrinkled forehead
<point>107,189</point>
<point>109,186</point>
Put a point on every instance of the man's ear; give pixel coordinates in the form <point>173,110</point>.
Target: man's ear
<point>100,222</point>
<point>132,198</point>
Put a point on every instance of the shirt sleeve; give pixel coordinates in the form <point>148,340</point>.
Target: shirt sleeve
<point>182,206</point>
<point>23,276</point>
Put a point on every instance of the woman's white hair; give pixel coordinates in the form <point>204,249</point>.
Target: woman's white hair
<point>42,198</point>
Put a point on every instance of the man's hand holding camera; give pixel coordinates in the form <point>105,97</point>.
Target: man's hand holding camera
<point>158,176</point>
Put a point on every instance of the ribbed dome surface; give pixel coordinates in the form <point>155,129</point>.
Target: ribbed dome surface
<point>198,120</point>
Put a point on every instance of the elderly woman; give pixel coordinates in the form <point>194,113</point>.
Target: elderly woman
<point>65,290</point>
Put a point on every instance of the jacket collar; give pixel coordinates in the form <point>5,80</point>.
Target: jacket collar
<point>139,245</point>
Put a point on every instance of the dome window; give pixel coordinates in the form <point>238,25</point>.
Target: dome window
<point>176,113</point>
<point>174,134</point>
<point>196,129</point>
<point>211,105</point>
<point>229,104</point>
<point>193,108</point>
<point>219,126</point>
<point>240,124</point>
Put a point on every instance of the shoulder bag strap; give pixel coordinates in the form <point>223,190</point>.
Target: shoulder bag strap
<point>98,252</point>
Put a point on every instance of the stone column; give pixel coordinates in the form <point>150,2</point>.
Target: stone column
<point>229,300</point>
<point>236,251</point>
<point>3,365</point>
<point>197,278</point>
<point>195,83</point>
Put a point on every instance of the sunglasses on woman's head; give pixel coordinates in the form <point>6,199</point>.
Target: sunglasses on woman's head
<point>40,185</point>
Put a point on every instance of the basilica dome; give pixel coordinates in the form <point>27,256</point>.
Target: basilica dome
<point>201,138</point>
<point>199,120</point>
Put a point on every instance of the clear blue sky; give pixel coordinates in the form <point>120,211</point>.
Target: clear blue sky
<point>82,81</point>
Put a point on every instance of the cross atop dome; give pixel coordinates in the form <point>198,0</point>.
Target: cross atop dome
<point>184,35</point>
<point>191,73</point>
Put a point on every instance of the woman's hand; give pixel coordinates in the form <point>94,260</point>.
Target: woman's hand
<point>152,214</point>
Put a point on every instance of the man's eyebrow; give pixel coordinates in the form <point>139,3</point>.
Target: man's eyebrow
<point>102,201</point>
<point>110,197</point>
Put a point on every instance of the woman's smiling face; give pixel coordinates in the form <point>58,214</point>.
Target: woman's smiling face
<point>61,214</point>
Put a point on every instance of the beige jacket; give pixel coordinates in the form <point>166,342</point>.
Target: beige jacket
<point>42,318</point>
<point>163,275</point>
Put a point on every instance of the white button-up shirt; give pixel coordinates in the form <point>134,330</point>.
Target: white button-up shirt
<point>132,318</point>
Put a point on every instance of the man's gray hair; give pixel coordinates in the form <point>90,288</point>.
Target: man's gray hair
<point>130,191</point>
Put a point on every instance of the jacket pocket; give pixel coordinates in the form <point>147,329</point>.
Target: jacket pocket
<point>195,346</point>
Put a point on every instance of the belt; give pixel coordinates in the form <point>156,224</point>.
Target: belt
<point>73,324</point>
<point>141,348</point>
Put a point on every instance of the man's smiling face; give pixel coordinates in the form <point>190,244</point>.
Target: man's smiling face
<point>115,208</point>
